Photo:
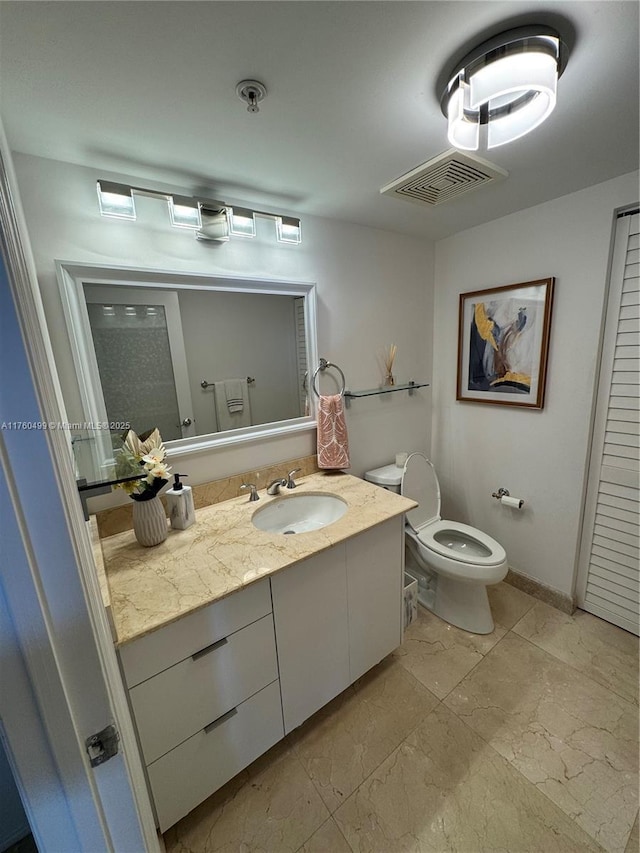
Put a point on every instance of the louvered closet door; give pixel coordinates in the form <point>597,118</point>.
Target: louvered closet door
<point>301,354</point>
<point>610,557</point>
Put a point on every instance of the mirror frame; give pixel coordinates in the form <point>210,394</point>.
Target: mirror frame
<point>71,278</point>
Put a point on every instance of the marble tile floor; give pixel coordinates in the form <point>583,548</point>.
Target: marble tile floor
<point>523,741</point>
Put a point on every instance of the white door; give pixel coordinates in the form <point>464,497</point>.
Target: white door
<point>123,322</point>
<point>49,586</point>
<point>609,572</point>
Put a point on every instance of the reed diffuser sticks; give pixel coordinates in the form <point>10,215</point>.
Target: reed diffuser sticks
<point>388,358</point>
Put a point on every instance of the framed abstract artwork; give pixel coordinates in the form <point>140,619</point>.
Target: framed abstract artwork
<point>503,343</point>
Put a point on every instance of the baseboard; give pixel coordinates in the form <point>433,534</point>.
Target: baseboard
<point>557,599</point>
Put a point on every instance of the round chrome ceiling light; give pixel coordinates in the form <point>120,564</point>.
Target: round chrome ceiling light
<point>506,86</point>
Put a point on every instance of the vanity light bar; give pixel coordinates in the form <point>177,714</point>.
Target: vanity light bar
<point>242,222</point>
<point>211,220</point>
<point>288,229</point>
<point>215,223</point>
<point>184,212</point>
<point>116,200</point>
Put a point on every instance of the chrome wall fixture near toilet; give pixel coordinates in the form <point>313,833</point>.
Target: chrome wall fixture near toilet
<point>452,562</point>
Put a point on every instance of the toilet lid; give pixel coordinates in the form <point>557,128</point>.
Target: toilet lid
<point>420,483</point>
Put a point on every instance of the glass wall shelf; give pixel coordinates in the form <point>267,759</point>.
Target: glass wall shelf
<point>410,387</point>
<point>100,463</point>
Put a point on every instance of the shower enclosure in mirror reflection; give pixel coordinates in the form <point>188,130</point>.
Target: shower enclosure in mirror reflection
<point>133,341</point>
<point>206,360</point>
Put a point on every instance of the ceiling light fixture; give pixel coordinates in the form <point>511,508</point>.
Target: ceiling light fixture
<point>211,220</point>
<point>504,88</point>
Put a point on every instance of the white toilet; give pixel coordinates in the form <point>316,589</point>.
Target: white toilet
<point>453,563</point>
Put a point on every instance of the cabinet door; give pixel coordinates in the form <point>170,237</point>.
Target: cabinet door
<point>312,635</point>
<point>375,563</point>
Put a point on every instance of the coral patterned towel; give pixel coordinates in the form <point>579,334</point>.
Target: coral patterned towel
<point>333,442</point>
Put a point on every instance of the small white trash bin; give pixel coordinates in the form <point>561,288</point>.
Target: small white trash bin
<point>410,600</point>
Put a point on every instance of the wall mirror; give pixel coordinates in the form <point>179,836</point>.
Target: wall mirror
<point>209,360</point>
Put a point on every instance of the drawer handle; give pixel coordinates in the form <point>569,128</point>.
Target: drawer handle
<point>220,720</point>
<point>210,648</point>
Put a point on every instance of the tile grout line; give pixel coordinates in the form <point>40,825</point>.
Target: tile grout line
<point>395,749</point>
<point>513,766</point>
<point>330,818</point>
<point>526,781</point>
<point>397,746</point>
<point>575,669</point>
<point>567,663</point>
<point>476,664</point>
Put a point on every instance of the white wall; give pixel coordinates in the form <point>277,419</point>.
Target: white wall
<point>538,455</point>
<point>236,335</point>
<point>374,288</point>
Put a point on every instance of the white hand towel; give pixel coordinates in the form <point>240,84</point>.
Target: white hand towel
<point>233,394</point>
<point>226,416</point>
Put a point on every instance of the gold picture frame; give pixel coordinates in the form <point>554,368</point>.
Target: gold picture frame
<point>503,344</point>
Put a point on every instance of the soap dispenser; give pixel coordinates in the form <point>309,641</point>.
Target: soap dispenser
<point>180,504</point>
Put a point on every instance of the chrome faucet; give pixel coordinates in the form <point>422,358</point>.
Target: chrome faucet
<point>290,481</point>
<point>274,486</point>
<point>254,496</point>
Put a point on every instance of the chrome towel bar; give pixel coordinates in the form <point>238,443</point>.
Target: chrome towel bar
<point>205,384</point>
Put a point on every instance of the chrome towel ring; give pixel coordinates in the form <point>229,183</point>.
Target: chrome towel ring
<point>324,364</point>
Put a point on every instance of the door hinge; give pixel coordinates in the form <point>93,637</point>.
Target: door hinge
<point>103,745</point>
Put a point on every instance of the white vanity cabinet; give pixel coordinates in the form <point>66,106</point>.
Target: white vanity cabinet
<point>336,615</point>
<point>206,698</point>
<point>209,691</point>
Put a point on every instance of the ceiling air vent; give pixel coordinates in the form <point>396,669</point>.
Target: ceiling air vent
<point>444,178</point>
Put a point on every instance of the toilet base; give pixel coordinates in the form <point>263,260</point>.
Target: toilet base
<point>461,603</point>
<point>465,605</point>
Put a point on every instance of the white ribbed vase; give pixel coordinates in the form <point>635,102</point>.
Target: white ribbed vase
<point>149,522</point>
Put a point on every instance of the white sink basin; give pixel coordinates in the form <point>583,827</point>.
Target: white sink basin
<point>299,513</point>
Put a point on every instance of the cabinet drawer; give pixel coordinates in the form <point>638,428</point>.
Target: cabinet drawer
<point>192,771</point>
<point>162,648</point>
<point>174,704</point>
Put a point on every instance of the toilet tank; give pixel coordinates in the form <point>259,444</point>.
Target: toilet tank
<point>389,477</point>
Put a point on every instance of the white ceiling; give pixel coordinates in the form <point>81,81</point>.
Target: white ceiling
<point>148,89</point>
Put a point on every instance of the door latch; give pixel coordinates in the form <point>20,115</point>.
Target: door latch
<point>103,745</point>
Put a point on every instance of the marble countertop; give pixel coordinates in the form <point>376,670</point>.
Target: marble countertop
<point>223,552</point>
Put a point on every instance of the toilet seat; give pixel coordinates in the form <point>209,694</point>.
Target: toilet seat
<point>434,536</point>
<point>457,561</point>
<point>453,542</point>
